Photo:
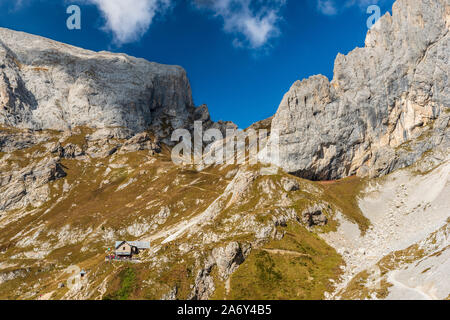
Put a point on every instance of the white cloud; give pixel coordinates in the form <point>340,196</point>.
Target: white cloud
<point>363,4</point>
<point>327,7</point>
<point>129,20</point>
<point>254,22</point>
<point>15,5</point>
<point>333,7</point>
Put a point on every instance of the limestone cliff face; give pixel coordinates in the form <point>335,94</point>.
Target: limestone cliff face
<point>221,231</point>
<point>387,104</point>
<point>49,85</point>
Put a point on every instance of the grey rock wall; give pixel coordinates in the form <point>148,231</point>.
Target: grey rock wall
<point>387,104</point>
<point>45,84</point>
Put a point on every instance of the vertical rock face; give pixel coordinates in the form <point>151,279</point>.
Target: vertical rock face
<point>49,85</point>
<point>387,104</point>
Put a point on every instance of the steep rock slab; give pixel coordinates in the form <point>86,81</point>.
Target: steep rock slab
<point>391,92</point>
<point>45,84</point>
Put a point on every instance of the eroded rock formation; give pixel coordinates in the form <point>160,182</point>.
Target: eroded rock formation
<point>387,104</point>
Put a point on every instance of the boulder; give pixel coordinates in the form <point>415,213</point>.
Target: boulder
<point>290,185</point>
<point>141,141</point>
<point>314,216</point>
<point>228,259</point>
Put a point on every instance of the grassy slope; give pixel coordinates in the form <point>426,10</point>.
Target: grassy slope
<point>281,274</point>
<point>92,203</point>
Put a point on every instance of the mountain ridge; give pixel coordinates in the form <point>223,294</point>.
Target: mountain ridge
<point>392,92</point>
<point>71,187</point>
<point>50,85</point>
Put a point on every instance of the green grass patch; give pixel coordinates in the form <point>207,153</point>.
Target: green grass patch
<point>127,285</point>
<point>298,267</point>
<point>344,194</point>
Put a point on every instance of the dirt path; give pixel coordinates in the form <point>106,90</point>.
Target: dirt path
<point>286,252</point>
<point>408,292</point>
<point>174,232</point>
<point>199,188</point>
<point>46,296</point>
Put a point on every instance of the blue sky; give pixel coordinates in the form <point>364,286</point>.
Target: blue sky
<point>241,55</point>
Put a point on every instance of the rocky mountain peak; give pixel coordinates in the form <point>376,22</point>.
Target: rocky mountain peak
<point>45,84</point>
<point>106,174</point>
<point>382,99</point>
